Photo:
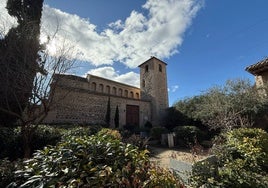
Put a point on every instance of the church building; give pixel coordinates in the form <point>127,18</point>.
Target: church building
<point>85,100</point>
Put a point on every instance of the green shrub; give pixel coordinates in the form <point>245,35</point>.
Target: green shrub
<point>186,135</point>
<point>45,135</point>
<point>137,140</point>
<point>100,160</point>
<point>113,134</point>
<point>156,132</point>
<point>242,161</point>
<point>7,169</point>
<point>10,145</point>
<point>11,142</point>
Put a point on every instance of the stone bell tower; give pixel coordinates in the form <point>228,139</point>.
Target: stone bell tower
<point>153,85</point>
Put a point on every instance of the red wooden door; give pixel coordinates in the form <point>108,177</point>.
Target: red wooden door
<point>132,115</point>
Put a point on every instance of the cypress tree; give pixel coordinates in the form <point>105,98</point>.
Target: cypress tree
<point>19,58</point>
<point>116,117</point>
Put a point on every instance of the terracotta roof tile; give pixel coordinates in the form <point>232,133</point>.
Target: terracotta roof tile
<point>258,68</point>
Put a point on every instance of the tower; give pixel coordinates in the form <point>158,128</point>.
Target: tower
<point>153,85</point>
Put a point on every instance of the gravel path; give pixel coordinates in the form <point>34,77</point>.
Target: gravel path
<point>162,156</point>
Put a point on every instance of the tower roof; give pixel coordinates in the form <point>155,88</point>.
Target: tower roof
<point>152,57</point>
<point>258,68</point>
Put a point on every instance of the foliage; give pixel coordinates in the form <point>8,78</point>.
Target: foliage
<point>12,148</point>
<point>174,118</point>
<point>7,169</point>
<point>137,140</point>
<point>148,125</point>
<point>128,130</point>
<point>100,160</point>
<point>242,161</point>
<point>78,130</point>
<point>116,117</point>
<point>187,135</point>
<point>236,104</point>
<point>19,59</point>
<point>28,73</point>
<point>113,134</point>
<point>156,132</point>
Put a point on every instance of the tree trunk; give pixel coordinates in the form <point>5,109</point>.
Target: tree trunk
<point>27,135</point>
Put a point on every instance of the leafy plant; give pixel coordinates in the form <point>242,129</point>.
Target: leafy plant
<point>233,105</point>
<point>156,132</point>
<point>100,160</point>
<point>242,161</point>
<point>187,135</point>
<point>116,117</point>
<point>7,169</point>
<point>136,140</point>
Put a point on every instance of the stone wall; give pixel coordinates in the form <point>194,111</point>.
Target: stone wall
<point>76,102</point>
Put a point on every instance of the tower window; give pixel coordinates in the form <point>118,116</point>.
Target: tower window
<point>160,68</point>
<point>146,68</point>
<point>143,83</point>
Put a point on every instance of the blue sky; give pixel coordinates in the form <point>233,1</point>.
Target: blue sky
<point>204,42</point>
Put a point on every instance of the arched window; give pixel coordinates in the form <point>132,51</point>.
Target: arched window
<point>101,88</point>
<point>137,95</point>
<point>114,91</point>
<point>131,94</point>
<point>120,92</point>
<point>93,86</point>
<point>160,68</point>
<point>126,93</point>
<point>146,68</point>
<point>108,89</point>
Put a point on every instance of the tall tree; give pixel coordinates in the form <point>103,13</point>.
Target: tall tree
<point>20,58</point>
<point>236,104</point>
<point>28,74</point>
<point>116,117</point>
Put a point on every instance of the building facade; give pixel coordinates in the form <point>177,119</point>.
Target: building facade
<point>85,100</point>
<point>260,71</point>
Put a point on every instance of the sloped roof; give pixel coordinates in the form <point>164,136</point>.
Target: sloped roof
<point>258,68</point>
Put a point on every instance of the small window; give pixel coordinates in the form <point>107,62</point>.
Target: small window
<point>108,89</point>
<point>114,90</point>
<point>137,96</point>
<point>101,87</point>
<point>126,93</point>
<point>93,86</point>
<point>146,68</point>
<point>120,92</point>
<point>131,94</point>
<point>143,83</point>
<point>160,68</point>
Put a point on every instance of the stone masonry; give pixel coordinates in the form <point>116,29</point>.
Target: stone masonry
<point>84,100</point>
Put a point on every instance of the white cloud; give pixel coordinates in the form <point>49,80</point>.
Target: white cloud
<point>130,42</point>
<point>130,78</point>
<point>173,88</point>
<point>6,21</point>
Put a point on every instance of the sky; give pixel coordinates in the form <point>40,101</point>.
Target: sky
<point>204,42</point>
